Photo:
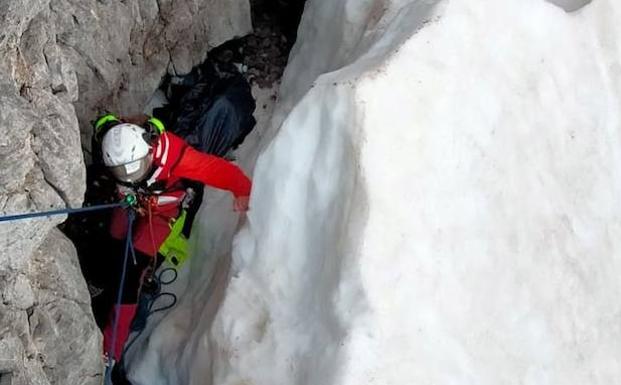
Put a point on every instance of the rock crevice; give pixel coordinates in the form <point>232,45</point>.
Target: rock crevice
<point>61,63</point>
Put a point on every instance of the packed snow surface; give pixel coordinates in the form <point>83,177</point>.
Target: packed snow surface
<point>437,201</point>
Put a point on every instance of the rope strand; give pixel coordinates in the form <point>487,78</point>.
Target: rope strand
<point>17,217</point>
<point>129,248</point>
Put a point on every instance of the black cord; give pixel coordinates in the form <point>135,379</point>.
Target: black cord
<point>158,282</point>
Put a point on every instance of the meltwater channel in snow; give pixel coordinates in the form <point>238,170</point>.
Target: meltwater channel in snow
<point>437,201</point>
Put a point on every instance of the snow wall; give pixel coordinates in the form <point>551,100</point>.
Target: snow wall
<point>438,201</point>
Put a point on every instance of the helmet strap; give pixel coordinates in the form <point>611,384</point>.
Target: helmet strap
<point>150,136</point>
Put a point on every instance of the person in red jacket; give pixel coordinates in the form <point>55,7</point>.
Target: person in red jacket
<point>153,164</point>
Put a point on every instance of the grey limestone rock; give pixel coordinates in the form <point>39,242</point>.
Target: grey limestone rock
<point>61,325</point>
<point>121,50</point>
<point>47,332</point>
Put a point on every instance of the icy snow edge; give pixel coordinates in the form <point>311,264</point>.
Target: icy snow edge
<point>438,205</point>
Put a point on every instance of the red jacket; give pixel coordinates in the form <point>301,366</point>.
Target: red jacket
<point>174,160</point>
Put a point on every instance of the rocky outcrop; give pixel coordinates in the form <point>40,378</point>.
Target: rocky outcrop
<point>52,336</point>
<point>61,63</point>
<point>120,50</point>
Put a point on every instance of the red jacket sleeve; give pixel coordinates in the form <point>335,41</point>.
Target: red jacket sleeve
<point>213,171</point>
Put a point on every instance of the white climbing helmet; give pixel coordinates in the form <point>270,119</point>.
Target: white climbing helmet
<point>126,152</point>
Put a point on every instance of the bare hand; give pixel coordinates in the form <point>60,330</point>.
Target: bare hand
<point>241,204</point>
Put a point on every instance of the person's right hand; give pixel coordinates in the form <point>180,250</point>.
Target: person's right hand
<point>241,204</point>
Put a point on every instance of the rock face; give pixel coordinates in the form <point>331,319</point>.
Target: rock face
<point>121,50</point>
<point>61,63</point>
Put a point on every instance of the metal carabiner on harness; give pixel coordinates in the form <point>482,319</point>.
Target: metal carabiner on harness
<point>131,200</point>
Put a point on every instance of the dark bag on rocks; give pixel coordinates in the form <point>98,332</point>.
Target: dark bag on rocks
<point>210,109</point>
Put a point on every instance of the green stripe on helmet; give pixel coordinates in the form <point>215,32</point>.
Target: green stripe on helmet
<point>157,124</point>
<point>105,119</point>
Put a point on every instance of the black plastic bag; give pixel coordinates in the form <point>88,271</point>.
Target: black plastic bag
<point>210,109</point>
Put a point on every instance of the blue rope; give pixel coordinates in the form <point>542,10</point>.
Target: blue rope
<point>17,217</point>
<point>129,248</point>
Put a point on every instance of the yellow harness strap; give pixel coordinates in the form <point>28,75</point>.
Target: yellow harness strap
<point>175,247</point>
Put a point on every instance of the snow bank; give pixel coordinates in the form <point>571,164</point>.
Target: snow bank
<point>440,204</point>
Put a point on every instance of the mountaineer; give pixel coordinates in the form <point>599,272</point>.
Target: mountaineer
<point>152,164</point>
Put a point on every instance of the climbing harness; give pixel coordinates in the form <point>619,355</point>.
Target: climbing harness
<point>175,246</point>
